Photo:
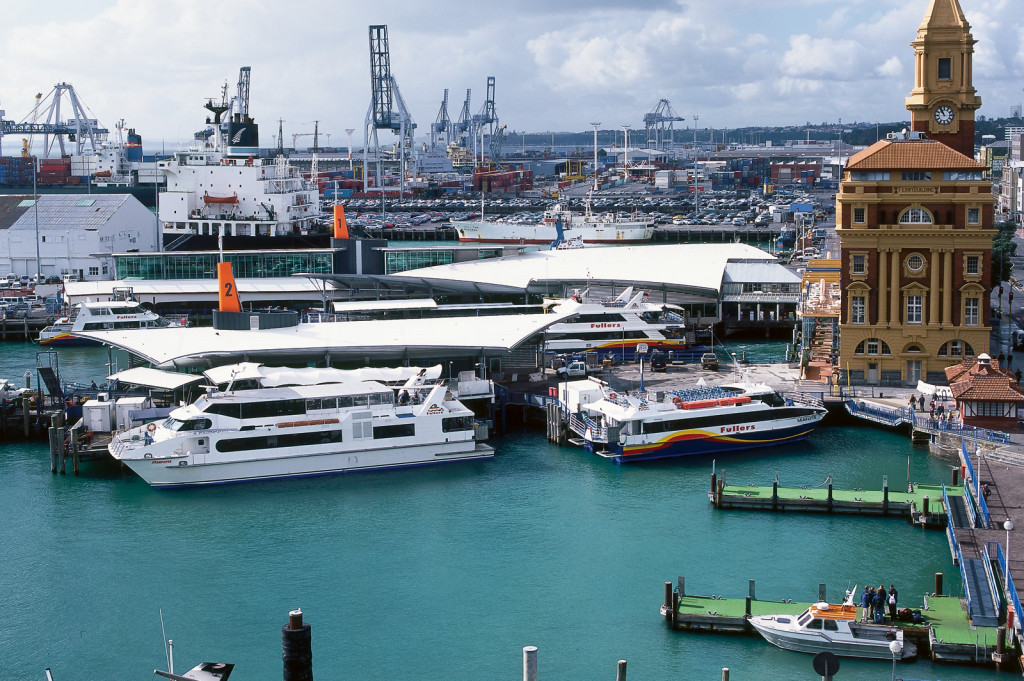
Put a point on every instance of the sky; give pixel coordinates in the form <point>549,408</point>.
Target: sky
<point>558,65</point>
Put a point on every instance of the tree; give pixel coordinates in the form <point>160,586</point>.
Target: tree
<point>1003,248</point>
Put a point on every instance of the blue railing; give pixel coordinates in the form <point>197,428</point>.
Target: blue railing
<point>1011,590</point>
<point>972,484</point>
<point>990,576</point>
<point>945,426</point>
<point>892,416</point>
<point>968,596</point>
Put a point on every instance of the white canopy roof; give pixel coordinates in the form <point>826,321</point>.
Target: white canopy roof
<point>271,377</point>
<point>154,378</point>
<point>400,339</point>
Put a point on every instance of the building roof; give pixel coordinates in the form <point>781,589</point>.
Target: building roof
<point>62,212</point>
<point>699,268</point>
<point>917,154</point>
<point>944,14</point>
<point>759,273</point>
<point>983,380</point>
<point>397,339</point>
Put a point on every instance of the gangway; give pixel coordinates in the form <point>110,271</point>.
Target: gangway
<point>48,371</point>
<point>983,609</point>
<point>959,518</point>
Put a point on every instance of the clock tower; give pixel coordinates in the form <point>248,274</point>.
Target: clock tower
<point>943,101</point>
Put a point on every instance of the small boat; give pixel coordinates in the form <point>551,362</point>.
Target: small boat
<point>221,199</point>
<point>825,627</point>
<point>639,426</point>
<point>302,426</point>
<point>101,316</point>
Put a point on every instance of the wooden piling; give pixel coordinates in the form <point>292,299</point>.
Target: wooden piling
<point>956,475</point>
<point>53,450</point>
<point>714,483</point>
<point>718,497</point>
<point>74,450</point>
<point>682,585</point>
<point>829,499</point>
<point>938,583</point>
<point>668,602</point>
<point>885,495</point>
<point>924,508</point>
<point>530,663</point>
<point>775,495</point>
<point>746,606</point>
<point>620,672</point>
<point>750,589</point>
<point>725,674</point>
<point>25,414</point>
<point>675,609</point>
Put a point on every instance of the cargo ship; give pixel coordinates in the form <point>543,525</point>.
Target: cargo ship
<point>590,227</point>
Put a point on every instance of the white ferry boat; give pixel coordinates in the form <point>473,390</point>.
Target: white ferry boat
<point>301,430</point>
<point>560,224</point>
<point>824,627</point>
<point>614,327</point>
<point>100,316</point>
<point>706,420</point>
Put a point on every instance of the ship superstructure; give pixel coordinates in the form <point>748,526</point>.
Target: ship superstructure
<point>220,185</point>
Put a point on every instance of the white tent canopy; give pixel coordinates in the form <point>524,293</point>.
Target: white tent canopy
<point>154,378</point>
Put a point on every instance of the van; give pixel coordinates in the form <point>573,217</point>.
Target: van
<point>1018,339</point>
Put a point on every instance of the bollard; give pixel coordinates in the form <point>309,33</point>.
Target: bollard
<point>297,648</point>
<point>938,583</point>
<point>620,673</point>
<point>530,663</point>
<point>956,476</point>
<point>668,601</point>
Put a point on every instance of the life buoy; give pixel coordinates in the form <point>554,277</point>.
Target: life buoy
<point>151,427</point>
<point>678,401</point>
<point>612,396</point>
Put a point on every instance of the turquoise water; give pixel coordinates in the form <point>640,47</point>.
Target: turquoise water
<point>438,573</point>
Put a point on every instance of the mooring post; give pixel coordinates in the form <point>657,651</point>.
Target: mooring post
<point>25,415</point>
<point>938,583</point>
<point>725,674</point>
<point>530,663</point>
<point>821,591</point>
<point>718,499</point>
<point>750,589</point>
<point>714,483</point>
<point>924,509</point>
<point>775,494</point>
<point>74,450</point>
<point>829,500</point>
<point>681,585</point>
<point>620,673</point>
<point>885,495</point>
<point>668,602</point>
<point>675,609</point>
<point>53,449</point>
<point>956,475</point>
<point>58,443</point>
<point>1001,641</point>
<point>746,606</point>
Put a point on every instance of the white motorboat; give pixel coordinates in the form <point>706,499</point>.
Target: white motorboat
<point>642,425</point>
<point>826,627</point>
<point>108,315</point>
<point>301,429</point>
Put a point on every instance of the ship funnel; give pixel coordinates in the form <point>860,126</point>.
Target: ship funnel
<point>340,226</point>
<point>227,292</point>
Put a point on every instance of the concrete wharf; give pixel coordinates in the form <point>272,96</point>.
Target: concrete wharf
<point>946,635</point>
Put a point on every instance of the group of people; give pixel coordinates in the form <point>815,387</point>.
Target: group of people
<point>874,602</point>
<point>937,411</point>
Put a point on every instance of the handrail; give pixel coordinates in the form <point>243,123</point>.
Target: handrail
<point>1011,589</point>
<point>975,485</point>
<point>993,584</point>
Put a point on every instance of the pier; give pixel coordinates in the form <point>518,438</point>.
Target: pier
<point>946,635</point>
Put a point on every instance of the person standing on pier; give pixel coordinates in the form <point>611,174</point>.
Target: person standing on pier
<point>920,402</point>
<point>893,599</point>
<point>878,601</point>
<point>912,403</point>
<point>865,603</point>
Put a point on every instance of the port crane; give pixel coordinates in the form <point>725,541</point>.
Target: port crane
<point>441,129</point>
<point>387,112</point>
<point>658,125</point>
<point>486,123</point>
<point>81,128</point>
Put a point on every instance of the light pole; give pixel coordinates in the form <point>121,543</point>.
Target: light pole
<point>35,208</point>
<point>595,154</point>
<point>625,151</point>
<point>1007,525</point>
<point>896,647</point>
<point>350,131</point>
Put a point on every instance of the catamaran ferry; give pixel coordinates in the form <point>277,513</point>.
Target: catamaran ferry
<point>617,326</point>
<point>706,420</point>
<point>301,430</point>
<point>100,316</point>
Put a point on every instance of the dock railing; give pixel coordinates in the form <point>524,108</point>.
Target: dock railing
<point>1011,589</point>
<point>926,422</point>
<point>990,576</point>
<point>972,485</point>
<point>890,416</point>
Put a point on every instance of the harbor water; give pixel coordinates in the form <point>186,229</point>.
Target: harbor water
<point>440,572</point>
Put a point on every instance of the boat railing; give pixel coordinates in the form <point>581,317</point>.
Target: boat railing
<point>810,399</point>
<point>581,424</point>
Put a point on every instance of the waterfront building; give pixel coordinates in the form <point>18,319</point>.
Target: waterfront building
<point>71,234</point>
<point>915,217</point>
<point>986,394</point>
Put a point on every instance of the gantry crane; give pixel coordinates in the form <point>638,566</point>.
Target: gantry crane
<point>486,124</point>
<point>441,129</point>
<point>464,126</point>
<point>387,111</point>
<point>80,128</point>
<point>658,124</point>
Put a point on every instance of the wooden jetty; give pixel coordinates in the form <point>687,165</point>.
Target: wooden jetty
<point>947,634</point>
<point>921,504</point>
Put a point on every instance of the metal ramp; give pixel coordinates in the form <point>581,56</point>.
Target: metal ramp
<point>981,604</point>
<point>959,518</point>
<point>48,370</point>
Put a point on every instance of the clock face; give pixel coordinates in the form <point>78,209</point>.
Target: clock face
<point>944,115</point>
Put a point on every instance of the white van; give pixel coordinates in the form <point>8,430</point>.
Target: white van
<point>1018,339</point>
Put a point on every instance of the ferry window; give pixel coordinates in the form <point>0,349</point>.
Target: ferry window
<point>344,401</point>
<point>452,424</point>
<point>831,625</point>
<point>815,624</point>
<point>803,619</point>
<point>397,430</point>
<point>257,410</point>
<point>224,409</point>
<point>318,403</point>
<point>360,400</point>
<point>197,424</point>
<point>379,398</point>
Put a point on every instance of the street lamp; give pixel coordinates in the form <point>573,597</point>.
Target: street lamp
<point>595,154</point>
<point>896,647</point>
<point>1007,525</point>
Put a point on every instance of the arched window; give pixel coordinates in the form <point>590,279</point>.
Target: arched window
<point>914,348</point>
<point>956,348</point>
<point>872,346</point>
<point>915,216</point>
